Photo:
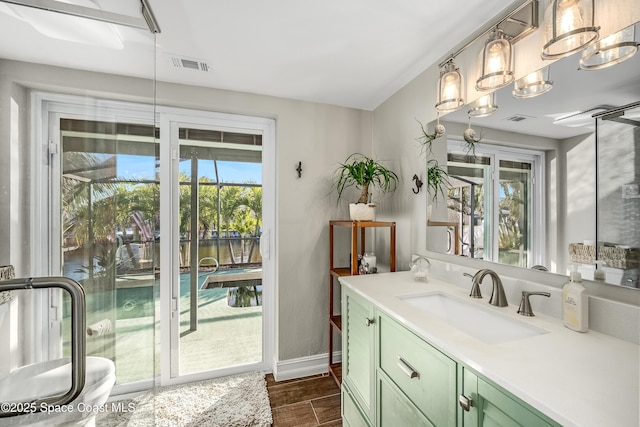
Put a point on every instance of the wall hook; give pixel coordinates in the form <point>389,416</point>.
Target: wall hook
<point>418,184</point>
<point>299,169</point>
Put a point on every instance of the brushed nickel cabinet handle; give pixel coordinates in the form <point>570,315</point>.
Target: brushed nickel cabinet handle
<point>407,369</point>
<point>368,321</point>
<point>465,402</point>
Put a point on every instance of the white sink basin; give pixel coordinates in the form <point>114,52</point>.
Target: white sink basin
<point>484,323</point>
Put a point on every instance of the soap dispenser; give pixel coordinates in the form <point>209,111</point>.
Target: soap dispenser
<point>599,275</point>
<point>575,303</point>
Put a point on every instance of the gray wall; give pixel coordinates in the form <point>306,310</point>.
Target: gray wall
<point>318,135</point>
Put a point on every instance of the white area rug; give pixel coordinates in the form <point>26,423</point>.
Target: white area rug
<point>238,401</point>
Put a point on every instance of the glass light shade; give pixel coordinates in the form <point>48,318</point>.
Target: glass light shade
<point>495,63</point>
<point>610,50</point>
<point>533,84</point>
<point>484,106</point>
<point>568,27</point>
<point>450,86</point>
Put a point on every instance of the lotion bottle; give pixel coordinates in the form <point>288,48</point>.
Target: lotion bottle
<point>575,304</point>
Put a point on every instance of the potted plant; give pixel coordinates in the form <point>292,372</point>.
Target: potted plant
<point>362,172</point>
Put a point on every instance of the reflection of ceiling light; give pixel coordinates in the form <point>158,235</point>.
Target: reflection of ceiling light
<point>484,106</point>
<point>495,63</point>
<point>70,28</point>
<point>610,50</point>
<point>582,118</point>
<point>533,84</point>
<point>449,88</point>
<point>568,27</point>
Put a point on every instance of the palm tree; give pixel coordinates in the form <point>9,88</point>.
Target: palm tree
<point>207,207</point>
<point>253,201</point>
<point>229,203</point>
<point>243,222</point>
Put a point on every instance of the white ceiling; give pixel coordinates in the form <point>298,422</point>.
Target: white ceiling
<point>353,53</point>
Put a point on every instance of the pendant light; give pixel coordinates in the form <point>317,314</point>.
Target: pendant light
<point>450,87</point>
<point>610,50</point>
<point>568,27</point>
<point>533,84</point>
<point>495,62</point>
<point>483,106</point>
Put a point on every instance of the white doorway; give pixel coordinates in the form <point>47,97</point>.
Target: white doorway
<point>111,200</point>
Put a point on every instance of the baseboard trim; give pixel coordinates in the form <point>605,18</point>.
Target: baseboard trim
<point>304,366</point>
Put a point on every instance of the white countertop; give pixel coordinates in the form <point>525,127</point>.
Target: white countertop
<point>577,379</point>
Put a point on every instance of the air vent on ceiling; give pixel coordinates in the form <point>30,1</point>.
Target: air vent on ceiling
<point>186,62</point>
<point>517,118</point>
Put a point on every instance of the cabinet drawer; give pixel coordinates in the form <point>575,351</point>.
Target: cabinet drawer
<point>426,376</point>
<point>395,409</point>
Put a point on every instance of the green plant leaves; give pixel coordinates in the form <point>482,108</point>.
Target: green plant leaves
<point>437,179</point>
<point>361,171</point>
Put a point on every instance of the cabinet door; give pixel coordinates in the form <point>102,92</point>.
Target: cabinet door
<point>352,416</point>
<point>493,407</point>
<point>425,375</point>
<point>357,358</point>
<point>395,409</point>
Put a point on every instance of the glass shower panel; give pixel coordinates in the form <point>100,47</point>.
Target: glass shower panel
<point>95,215</point>
<point>111,229</point>
<point>618,204</point>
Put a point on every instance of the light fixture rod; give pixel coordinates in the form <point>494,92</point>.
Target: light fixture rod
<point>148,15</point>
<point>84,12</point>
<point>517,21</point>
<point>622,108</point>
<point>509,17</point>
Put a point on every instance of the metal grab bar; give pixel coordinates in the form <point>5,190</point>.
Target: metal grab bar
<point>78,343</point>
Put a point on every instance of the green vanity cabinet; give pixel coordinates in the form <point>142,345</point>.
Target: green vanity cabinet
<point>358,352</point>
<point>488,405</point>
<point>394,409</point>
<point>352,415</point>
<point>394,378</point>
<point>426,376</point>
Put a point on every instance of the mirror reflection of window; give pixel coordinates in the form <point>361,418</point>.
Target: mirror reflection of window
<point>491,198</point>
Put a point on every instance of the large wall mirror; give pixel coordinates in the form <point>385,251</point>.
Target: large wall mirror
<point>552,178</point>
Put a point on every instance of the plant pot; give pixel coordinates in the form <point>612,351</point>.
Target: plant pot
<point>362,211</point>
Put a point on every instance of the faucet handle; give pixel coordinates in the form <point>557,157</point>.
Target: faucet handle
<point>525,305</point>
<point>475,288</point>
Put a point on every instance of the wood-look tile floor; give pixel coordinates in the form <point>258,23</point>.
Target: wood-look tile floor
<point>305,402</point>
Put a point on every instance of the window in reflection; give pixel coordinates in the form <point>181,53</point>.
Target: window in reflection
<point>493,200</point>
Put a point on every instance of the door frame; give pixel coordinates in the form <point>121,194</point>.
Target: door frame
<point>43,226</point>
<point>172,118</point>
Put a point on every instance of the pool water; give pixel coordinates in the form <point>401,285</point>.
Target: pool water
<point>138,301</point>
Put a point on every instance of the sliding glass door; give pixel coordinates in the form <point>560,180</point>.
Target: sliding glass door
<point>219,291</point>
<point>163,221</point>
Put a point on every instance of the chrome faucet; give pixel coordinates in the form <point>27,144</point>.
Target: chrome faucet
<point>498,298</point>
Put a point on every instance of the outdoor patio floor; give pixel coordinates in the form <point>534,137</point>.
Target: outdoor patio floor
<point>225,336</point>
